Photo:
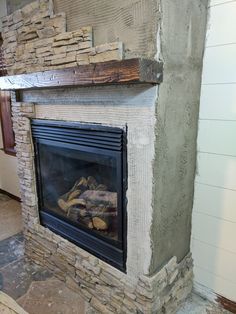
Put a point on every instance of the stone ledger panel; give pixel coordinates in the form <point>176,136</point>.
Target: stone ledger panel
<point>35,39</point>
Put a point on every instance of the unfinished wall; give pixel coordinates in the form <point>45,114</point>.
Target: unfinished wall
<point>3,11</point>
<point>35,39</point>
<point>130,21</point>
<point>182,42</point>
<point>134,22</point>
<point>13,5</point>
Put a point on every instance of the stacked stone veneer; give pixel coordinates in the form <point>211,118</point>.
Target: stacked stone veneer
<point>106,289</point>
<point>35,39</point>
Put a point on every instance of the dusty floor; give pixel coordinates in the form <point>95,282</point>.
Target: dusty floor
<point>10,217</point>
<point>35,289</point>
<point>197,305</point>
<point>9,306</point>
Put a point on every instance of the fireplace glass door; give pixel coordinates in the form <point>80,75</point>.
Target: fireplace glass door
<point>80,173</point>
<point>80,187</point>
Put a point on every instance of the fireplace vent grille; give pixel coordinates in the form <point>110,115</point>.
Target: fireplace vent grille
<point>78,133</point>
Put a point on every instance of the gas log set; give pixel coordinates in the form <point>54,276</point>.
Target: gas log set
<point>91,204</point>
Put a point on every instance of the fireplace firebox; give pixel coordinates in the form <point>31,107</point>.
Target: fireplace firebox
<point>82,181</point>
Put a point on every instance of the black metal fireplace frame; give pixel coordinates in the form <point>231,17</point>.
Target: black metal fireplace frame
<point>88,138</point>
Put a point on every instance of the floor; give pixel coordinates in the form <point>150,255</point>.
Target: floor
<point>9,306</point>
<point>35,289</point>
<point>10,217</point>
<point>197,305</point>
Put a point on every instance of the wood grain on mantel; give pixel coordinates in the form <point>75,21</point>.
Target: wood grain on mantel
<point>104,73</point>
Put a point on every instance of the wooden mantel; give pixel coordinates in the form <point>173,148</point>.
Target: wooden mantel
<point>128,71</point>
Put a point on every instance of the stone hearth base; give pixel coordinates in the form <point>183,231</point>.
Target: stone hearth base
<point>106,289</point>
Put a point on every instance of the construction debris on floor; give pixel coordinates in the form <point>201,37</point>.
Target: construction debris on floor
<point>38,291</point>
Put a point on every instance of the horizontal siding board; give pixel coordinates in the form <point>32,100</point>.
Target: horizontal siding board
<point>216,70</point>
<point>214,231</point>
<point>216,202</point>
<point>217,137</point>
<point>217,284</point>
<point>220,262</point>
<point>218,102</point>
<point>214,215</point>
<point>216,170</point>
<point>219,2</point>
<point>220,29</point>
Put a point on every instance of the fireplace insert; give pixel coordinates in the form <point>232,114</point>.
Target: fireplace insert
<point>82,181</point>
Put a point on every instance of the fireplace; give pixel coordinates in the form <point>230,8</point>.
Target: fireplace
<point>81,181</point>
<point>73,177</point>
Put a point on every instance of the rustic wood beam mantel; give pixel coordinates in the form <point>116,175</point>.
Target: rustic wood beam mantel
<point>128,71</point>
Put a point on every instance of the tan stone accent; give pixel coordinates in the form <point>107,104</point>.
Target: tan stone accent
<point>9,306</point>
<point>64,36</point>
<point>82,59</point>
<point>105,56</point>
<point>35,39</point>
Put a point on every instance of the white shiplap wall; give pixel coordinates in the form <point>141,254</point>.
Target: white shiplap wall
<point>214,211</point>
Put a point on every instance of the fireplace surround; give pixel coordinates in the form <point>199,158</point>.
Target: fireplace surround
<point>153,107</point>
<point>104,287</point>
<point>81,183</point>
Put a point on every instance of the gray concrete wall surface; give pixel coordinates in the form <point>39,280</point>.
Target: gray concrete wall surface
<point>182,37</point>
<point>3,11</point>
<point>134,22</point>
<point>13,5</point>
